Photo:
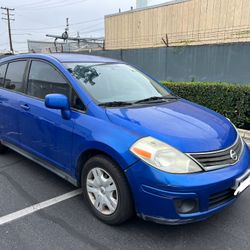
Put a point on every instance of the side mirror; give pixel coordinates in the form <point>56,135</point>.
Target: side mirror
<point>59,101</point>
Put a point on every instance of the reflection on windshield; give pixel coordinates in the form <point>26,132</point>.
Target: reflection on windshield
<point>87,74</point>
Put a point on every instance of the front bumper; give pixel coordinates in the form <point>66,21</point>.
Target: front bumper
<point>155,191</point>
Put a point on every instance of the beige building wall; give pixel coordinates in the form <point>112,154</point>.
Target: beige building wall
<point>189,22</point>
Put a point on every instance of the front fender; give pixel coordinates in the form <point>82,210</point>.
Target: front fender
<point>91,133</point>
<point>124,159</point>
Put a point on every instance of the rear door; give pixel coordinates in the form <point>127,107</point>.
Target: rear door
<point>43,131</point>
<point>10,96</point>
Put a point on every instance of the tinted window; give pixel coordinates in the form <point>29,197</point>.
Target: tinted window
<point>45,79</point>
<point>2,74</point>
<point>14,76</point>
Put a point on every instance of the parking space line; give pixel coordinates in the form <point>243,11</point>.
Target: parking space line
<point>39,206</point>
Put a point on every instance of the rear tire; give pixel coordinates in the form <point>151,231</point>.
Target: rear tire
<point>106,190</point>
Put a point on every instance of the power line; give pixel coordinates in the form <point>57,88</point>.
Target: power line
<point>21,42</point>
<point>33,4</point>
<point>91,28</point>
<point>8,18</point>
<point>45,3</point>
<point>91,31</point>
<point>60,26</point>
<point>32,20</point>
<point>90,21</point>
<point>58,5</point>
<point>22,34</point>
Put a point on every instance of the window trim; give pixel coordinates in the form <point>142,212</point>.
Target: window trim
<point>28,69</point>
<point>3,64</point>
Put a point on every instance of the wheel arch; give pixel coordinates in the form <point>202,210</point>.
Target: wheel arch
<point>101,149</point>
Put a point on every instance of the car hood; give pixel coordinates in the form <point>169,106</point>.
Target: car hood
<point>182,124</point>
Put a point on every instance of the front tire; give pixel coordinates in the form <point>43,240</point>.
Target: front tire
<point>106,190</point>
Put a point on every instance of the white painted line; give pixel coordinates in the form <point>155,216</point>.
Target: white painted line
<point>34,208</point>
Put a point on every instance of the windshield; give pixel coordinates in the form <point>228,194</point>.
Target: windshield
<point>111,82</point>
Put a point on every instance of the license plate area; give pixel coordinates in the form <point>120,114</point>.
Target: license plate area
<point>242,183</point>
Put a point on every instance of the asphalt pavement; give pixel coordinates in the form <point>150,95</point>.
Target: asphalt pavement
<point>69,224</point>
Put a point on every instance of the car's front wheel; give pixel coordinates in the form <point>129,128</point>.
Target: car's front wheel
<point>106,190</point>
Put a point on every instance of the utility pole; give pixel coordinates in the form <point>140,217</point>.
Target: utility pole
<point>8,18</point>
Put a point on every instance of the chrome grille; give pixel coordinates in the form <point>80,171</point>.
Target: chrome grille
<point>219,159</point>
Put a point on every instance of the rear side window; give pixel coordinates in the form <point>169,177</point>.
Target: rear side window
<point>45,79</point>
<point>2,74</point>
<point>14,76</point>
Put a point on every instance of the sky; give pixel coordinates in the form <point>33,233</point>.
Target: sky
<point>35,19</point>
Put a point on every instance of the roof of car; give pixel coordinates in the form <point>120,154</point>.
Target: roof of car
<point>66,57</point>
<point>63,57</point>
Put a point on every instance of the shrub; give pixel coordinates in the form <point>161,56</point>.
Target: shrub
<point>231,100</point>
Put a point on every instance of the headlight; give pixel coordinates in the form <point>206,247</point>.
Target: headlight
<point>164,157</point>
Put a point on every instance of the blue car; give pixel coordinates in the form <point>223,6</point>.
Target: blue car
<point>131,144</point>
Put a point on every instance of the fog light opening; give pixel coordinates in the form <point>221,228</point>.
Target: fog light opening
<point>186,206</point>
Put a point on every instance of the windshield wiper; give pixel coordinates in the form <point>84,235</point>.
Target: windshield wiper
<point>156,98</point>
<point>115,104</point>
<point>152,99</point>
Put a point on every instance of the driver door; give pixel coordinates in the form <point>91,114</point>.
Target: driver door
<point>43,131</point>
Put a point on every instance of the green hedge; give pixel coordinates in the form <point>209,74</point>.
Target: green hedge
<point>231,100</point>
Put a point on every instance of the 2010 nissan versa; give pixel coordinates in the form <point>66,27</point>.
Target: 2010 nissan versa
<point>130,143</point>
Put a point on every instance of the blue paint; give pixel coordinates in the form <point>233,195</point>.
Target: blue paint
<point>190,128</point>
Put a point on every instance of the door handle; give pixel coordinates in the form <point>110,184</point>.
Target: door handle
<point>25,107</point>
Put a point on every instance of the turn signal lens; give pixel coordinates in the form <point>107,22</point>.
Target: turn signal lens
<point>142,153</point>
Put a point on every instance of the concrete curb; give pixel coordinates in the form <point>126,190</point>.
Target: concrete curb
<point>244,133</point>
